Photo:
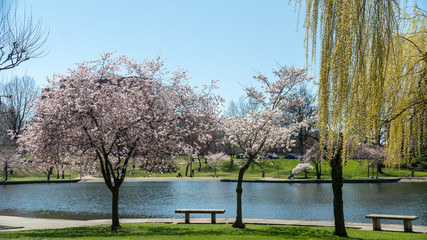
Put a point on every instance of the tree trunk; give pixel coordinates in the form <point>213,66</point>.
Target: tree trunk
<point>380,168</point>
<point>49,172</point>
<point>62,168</point>
<point>368,169</point>
<point>57,173</point>
<point>317,171</point>
<point>239,223</point>
<point>5,172</point>
<point>191,168</point>
<point>200,164</point>
<point>115,226</point>
<point>186,169</point>
<point>337,183</point>
<point>114,175</point>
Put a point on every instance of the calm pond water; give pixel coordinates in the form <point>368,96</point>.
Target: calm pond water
<point>260,200</point>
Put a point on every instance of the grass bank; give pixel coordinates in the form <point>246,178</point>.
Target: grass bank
<point>29,175</point>
<point>273,168</point>
<point>203,231</point>
<point>279,168</point>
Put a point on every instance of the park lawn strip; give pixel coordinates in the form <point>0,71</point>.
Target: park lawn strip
<point>28,174</point>
<point>279,169</point>
<point>203,231</point>
<point>38,178</point>
<point>273,168</point>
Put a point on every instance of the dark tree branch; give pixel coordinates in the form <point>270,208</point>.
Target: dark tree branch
<point>21,38</point>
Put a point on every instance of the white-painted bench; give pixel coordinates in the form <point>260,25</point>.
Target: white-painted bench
<point>407,220</point>
<point>187,212</point>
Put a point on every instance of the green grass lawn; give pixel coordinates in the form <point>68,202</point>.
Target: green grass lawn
<point>31,175</point>
<point>203,231</point>
<point>279,168</point>
<point>39,178</point>
<point>274,168</point>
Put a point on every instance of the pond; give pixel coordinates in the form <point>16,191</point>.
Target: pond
<point>297,201</point>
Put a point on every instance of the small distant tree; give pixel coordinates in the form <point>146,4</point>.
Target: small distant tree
<point>263,128</point>
<point>95,113</point>
<point>9,157</point>
<point>242,106</point>
<point>16,109</point>
<point>302,110</point>
<point>312,155</point>
<point>373,154</point>
<point>21,92</point>
<point>229,149</point>
<point>214,159</point>
<point>302,167</point>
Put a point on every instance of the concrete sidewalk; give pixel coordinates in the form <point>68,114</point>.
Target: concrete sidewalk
<point>10,223</point>
<point>255,179</point>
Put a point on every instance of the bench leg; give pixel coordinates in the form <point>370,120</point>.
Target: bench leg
<point>187,217</point>
<point>213,218</point>
<point>407,225</point>
<point>377,224</point>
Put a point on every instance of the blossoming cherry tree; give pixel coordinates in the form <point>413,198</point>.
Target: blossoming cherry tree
<point>260,131</point>
<point>114,111</point>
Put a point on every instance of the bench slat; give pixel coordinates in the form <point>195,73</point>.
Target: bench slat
<point>407,220</point>
<point>386,216</point>
<point>200,211</point>
<point>187,212</point>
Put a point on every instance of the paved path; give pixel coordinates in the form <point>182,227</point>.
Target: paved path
<point>257,179</point>
<point>156,179</point>
<point>9,223</point>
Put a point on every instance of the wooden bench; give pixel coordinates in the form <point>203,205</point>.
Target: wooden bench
<point>407,220</point>
<point>187,212</point>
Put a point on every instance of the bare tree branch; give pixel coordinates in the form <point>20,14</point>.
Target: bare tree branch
<point>21,38</point>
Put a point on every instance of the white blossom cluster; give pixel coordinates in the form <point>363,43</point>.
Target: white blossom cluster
<point>213,159</point>
<point>302,167</point>
<point>258,132</point>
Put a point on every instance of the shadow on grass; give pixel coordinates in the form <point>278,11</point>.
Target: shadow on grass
<point>197,231</point>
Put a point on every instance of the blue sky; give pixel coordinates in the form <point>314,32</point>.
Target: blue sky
<point>214,40</point>
<point>224,40</point>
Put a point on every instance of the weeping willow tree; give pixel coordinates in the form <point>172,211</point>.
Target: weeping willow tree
<point>372,80</point>
<point>405,103</point>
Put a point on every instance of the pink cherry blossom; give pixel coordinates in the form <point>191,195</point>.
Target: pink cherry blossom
<point>214,159</point>
<point>115,112</point>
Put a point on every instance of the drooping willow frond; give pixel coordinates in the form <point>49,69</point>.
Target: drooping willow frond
<point>372,79</point>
